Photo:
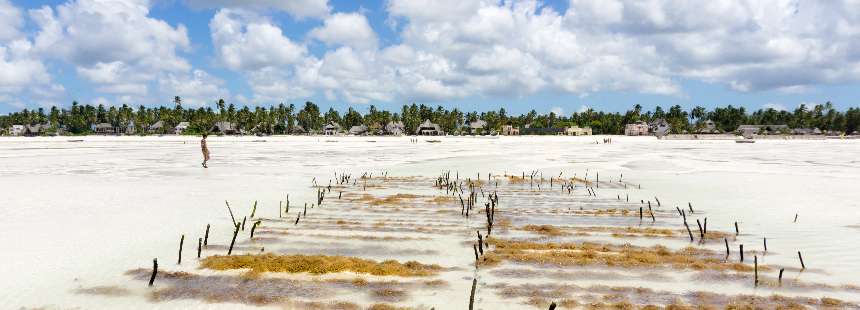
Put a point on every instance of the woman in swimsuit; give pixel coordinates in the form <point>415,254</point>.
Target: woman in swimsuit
<point>205,150</point>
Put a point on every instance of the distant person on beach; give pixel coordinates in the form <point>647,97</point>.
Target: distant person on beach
<point>205,150</point>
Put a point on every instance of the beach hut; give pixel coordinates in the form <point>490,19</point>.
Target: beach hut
<point>659,127</point>
<point>708,126</point>
<point>394,128</point>
<point>806,131</point>
<point>298,130</point>
<point>181,127</point>
<point>104,129</point>
<point>224,128</point>
<point>477,127</point>
<point>358,130</point>
<point>577,131</point>
<point>428,128</point>
<point>639,128</point>
<point>157,127</point>
<point>332,128</point>
<point>762,129</point>
<point>35,130</point>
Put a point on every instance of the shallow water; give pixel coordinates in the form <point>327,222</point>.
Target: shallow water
<point>79,214</point>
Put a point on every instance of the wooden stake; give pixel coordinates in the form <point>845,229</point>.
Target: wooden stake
<point>206,236</point>
<point>653,220</point>
<point>765,244</point>
<point>755,264</point>
<point>199,246</point>
<point>232,242</point>
<point>780,275</point>
<point>795,217</point>
<point>243,222</point>
<point>688,231</point>
<point>231,212</point>
<point>472,295</point>
<point>802,266</point>
<point>701,232</point>
<point>640,213</point>
<point>727,246</point>
<point>552,306</point>
<point>154,271</point>
<point>297,219</point>
<point>742,253</point>
<point>254,210</point>
<point>181,242</point>
<point>737,231</point>
<point>475,247</point>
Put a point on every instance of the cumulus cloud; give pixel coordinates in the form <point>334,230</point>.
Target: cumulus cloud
<point>246,41</point>
<point>297,8</point>
<point>11,21</point>
<point>350,29</point>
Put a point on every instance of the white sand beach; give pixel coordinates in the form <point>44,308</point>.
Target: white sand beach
<point>79,215</point>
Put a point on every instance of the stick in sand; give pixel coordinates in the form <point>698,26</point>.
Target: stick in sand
<point>780,275</point>
<point>727,246</point>
<point>181,242</point>
<point>199,246</point>
<point>206,236</point>
<point>688,231</point>
<point>154,271</point>
<point>231,212</point>
<point>755,264</point>
<point>802,266</point>
<point>232,242</point>
<point>552,306</point>
<point>742,252</point>
<point>472,295</point>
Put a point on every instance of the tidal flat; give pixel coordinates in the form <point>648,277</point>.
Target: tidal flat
<point>384,223</point>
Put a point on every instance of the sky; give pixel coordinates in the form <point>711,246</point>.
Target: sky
<point>562,56</point>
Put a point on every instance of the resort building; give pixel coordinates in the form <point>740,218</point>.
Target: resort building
<point>477,127</point>
<point>510,130</point>
<point>181,128</point>
<point>428,129</point>
<point>157,127</point>
<point>806,131</point>
<point>298,130</point>
<point>104,129</point>
<point>660,127</point>
<point>639,128</point>
<point>35,130</point>
<point>358,130</point>
<point>577,131</point>
<point>708,126</point>
<point>17,130</point>
<point>747,130</point>
<point>394,128</point>
<point>332,128</point>
<point>224,128</point>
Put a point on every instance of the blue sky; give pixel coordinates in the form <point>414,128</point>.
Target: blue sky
<point>476,55</point>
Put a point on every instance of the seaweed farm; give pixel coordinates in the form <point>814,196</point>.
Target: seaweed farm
<point>520,224</point>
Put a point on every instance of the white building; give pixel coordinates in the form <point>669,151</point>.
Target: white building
<point>16,130</point>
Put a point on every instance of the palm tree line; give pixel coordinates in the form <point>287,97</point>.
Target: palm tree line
<point>284,119</point>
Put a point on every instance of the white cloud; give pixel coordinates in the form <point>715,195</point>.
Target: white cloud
<point>297,8</point>
<point>245,41</point>
<point>11,21</point>
<point>115,45</point>
<point>350,29</point>
<point>196,89</point>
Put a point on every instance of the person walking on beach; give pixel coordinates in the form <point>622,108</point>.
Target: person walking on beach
<point>205,150</point>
